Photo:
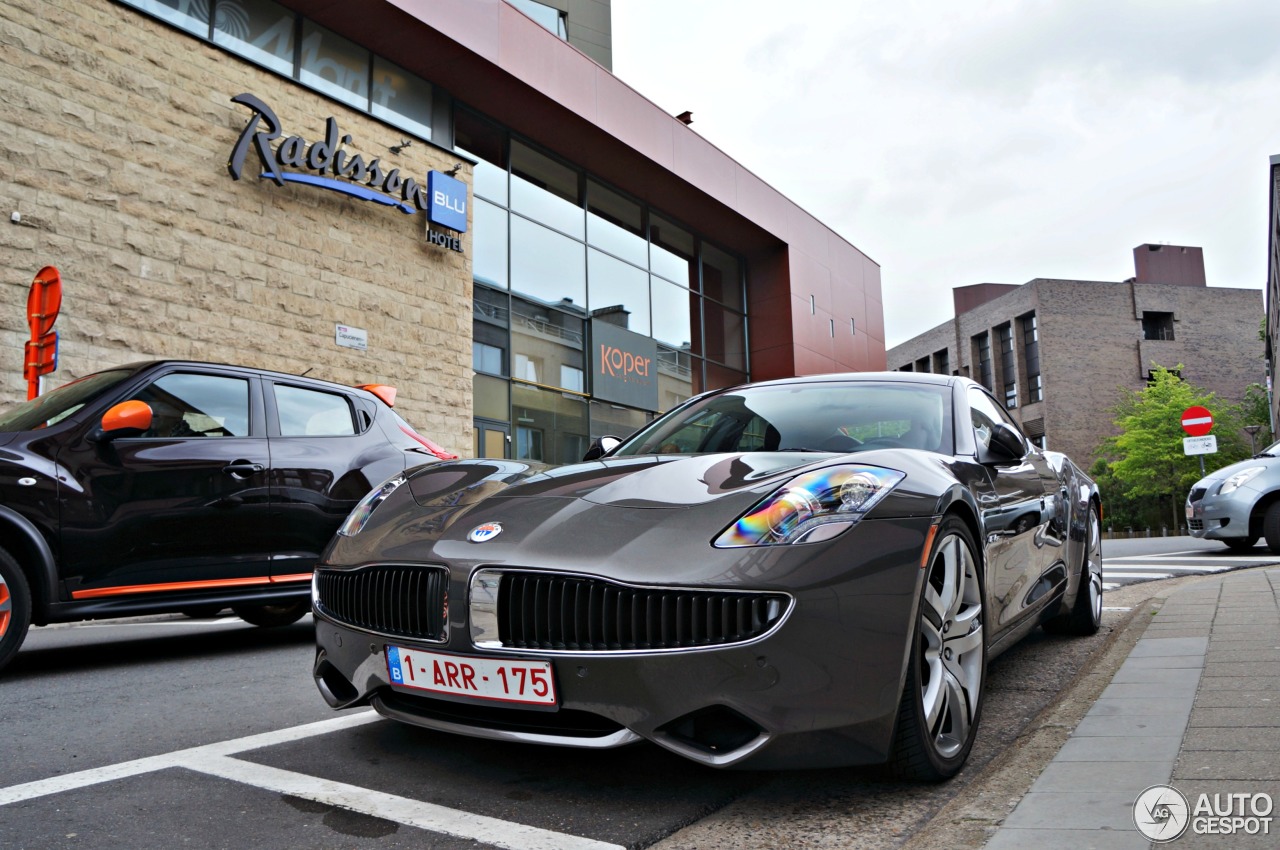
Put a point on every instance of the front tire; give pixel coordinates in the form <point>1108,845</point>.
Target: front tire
<point>270,616</point>
<point>1271,527</point>
<point>15,607</point>
<point>946,667</point>
<point>1085,616</point>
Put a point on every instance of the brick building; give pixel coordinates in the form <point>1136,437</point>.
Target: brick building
<point>593,225</point>
<point>1058,351</point>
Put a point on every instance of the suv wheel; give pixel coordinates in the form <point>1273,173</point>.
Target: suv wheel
<point>15,607</point>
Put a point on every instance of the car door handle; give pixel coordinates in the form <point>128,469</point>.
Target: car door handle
<point>242,468</point>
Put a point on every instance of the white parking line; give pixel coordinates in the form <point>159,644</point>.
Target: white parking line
<point>215,760</point>
<point>1175,568</point>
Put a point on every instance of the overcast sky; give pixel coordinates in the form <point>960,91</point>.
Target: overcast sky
<point>971,142</point>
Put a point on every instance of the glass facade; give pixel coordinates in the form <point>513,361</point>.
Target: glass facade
<point>281,40</point>
<point>559,259</point>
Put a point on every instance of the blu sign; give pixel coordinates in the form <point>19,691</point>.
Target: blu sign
<point>448,201</point>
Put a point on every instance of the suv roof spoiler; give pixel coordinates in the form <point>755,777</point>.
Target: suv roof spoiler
<point>385,393</point>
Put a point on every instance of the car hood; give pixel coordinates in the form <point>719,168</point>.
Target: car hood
<point>1226,472</point>
<point>645,516</point>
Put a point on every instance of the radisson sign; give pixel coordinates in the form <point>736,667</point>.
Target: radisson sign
<point>332,167</point>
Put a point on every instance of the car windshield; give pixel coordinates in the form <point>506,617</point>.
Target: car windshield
<point>1272,450</point>
<point>54,406</point>
<point>816,417</point>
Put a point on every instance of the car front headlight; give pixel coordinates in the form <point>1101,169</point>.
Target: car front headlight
<point>812,507</point>
<point>1236,481</point>
<point>359,515</point>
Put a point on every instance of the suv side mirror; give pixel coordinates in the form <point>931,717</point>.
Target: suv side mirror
<point>126,419</point>
<point>601,446</point>
<point>1006,444</point>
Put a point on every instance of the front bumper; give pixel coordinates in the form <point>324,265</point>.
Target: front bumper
<point>819,689</point>
<point>1217,517</point>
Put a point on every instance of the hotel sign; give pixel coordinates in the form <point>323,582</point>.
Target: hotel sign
<point>327,164</point>
<point>624,366</point>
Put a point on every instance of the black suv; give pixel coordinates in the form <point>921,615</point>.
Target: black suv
<point>184,487</point>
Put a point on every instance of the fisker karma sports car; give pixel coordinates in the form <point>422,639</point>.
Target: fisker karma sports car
<point>807,572</point>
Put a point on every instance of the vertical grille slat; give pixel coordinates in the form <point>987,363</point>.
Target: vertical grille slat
<point>554,612</point>
<point>403,601</point>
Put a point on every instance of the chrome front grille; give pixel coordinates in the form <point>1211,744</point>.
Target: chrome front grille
<point>404,601</point>
<point>582,614</point>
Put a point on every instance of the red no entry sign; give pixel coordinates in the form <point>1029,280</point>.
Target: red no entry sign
<point>1197,421</point>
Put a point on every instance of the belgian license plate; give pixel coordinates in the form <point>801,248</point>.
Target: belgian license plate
<point>496,679</point>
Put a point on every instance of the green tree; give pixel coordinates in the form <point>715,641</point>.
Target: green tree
<point>1256,410</point>
<point>1145,468</point>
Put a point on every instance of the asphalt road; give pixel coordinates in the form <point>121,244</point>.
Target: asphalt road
<point>82,700</point>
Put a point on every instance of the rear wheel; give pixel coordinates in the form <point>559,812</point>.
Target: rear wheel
<point>946,668</point>
<point>1240,544</point>
<point>273,615</point>
<point>1085,616</point>
<point>15,607</point>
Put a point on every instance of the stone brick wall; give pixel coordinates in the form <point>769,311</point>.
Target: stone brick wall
<point>117,133</point>
<point>1091,347</point>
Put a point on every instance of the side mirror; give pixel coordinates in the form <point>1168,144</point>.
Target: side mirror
<point>1006,444</point>
<point>601,446</point>
<point>126,419</point>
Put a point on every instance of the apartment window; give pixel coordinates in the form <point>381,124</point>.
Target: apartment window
<point>1157,325</point>
<point>552,20</point>
<point>982,343</point>
<point>1008,366</point>
<point>922,365</point>
<point>942,363</point>
<point>1031,356</point>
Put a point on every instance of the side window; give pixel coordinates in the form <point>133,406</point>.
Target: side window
<point>985,414</point>
<point>191,405</point>
<point>311,413</point>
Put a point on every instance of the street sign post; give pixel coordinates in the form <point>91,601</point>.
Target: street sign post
<point>1197,421</point>
<point>40,355</point>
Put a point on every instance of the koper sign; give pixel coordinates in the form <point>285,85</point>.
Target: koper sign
<point>624,366</point>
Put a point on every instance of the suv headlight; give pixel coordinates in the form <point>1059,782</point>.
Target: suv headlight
<point>1236,481</point>
<point>360,514</point>
<point>815,506</point>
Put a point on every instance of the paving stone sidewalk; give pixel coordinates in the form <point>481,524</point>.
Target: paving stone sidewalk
<point>1196,705</point>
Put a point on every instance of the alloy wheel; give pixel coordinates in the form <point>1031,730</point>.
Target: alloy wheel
<point>951,646</point>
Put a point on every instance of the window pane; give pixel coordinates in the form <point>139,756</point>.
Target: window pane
<point>489,244</point>
<point>543,342</point>
<point>726,339</point>
<point>615,224</point>
<point>675,376</point>
<point>550,426</point>
<point>309,413</point>
<point>671,252</point>
<point>189,405</point>
<point>615,420</point>
<point>190,15</point>
<point>722,277</point>
<point>548,18</point>
<point>486,142</point>
<point>547,266</point>
<point>401,98</point>
<point>260,30</point>
<point>545,190</point>
<point>673,307</point>
<point>718,376</point>
<point>619,292</point>
<point>489,398</point>
<point>335,66</point>
<point>489,331</point>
